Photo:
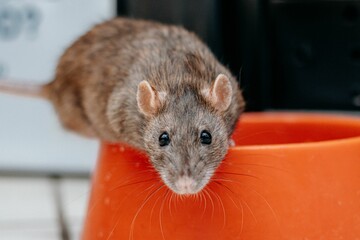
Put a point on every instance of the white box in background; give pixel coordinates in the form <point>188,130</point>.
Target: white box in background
<point>33,35</point>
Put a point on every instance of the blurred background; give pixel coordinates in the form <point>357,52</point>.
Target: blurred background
<point>287,55</point>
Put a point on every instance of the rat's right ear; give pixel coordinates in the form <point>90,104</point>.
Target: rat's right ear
<point>148,99</point>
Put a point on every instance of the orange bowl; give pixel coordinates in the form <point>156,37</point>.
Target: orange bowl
<point>290,176</point>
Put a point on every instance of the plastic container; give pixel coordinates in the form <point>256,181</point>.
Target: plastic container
<point>290,176</point>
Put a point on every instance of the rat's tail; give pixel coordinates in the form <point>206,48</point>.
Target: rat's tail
<point>24,89</point>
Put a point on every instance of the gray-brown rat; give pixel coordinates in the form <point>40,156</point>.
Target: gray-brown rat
<point>153,86</point>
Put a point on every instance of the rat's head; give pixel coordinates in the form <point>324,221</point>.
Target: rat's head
<point>185,134</point>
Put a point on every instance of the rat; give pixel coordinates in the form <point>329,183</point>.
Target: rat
<point>153,86</point>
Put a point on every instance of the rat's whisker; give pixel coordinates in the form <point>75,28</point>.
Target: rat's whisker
<point>197,198</point>
<point>220,204</point>
<point>132,183</point>
<point>211,201</point>
<point>236,181</point>
<point>241,164</point>
<point>170,201</point>
<point>226,187</point>
<point>269,206</point>
<point>257,193</point>
<point>117,210</point>
<point>146,200</point>
<point>233,201</point>
<point>242,219</point>
<point>153,209</point>
<point>241,198</point>
<point>138,175</point>
<point>176,200</point>
<point>239,174</point>
<point>96,202</point>
<point>251,211</point>
<point>141,193</point>
<point>203,198</point>
<point>227,180</point>
<point>161,213</point>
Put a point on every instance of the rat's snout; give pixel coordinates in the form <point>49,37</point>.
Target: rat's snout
<point>186,185</point>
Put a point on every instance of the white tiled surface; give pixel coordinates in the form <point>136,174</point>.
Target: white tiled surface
<point>74,196</point>
<point>29,211</point>
<point>31,136</point>
<point>43,232</point>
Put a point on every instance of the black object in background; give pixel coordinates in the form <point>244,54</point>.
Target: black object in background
<point>293,54</point>
<point>200,16</point>
<point>316,47</point>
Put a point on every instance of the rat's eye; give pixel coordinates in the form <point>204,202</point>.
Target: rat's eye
<point>205,137</point>
<point>164,139</point>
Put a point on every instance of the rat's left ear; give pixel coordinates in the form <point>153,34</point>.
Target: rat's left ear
<point>220,94</point>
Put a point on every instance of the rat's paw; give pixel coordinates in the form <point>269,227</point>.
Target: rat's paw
<point>231,143</point>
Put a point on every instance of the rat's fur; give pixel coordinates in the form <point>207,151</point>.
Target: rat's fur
<point>96,83</point>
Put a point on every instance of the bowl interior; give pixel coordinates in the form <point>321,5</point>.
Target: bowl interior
<point>269,129</point>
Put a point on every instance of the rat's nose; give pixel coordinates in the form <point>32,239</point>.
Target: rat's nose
<point>185,185</point>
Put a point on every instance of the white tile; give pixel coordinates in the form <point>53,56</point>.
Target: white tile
<point>30,231</point>
<point>27,209</point>
<point>75,229</point>
<point>26,199</point>
<point>30,236</point>
<point>74,196</point>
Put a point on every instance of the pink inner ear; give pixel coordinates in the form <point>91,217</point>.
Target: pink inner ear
<point>146,98</point>
<point>222,90</point>
<point>221,93</point>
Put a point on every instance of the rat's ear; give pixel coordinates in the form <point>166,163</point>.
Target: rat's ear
<point>148,99</point>
<point>220,93</point>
